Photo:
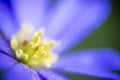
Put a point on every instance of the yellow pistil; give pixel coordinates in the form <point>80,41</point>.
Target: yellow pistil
<point>30,49</point>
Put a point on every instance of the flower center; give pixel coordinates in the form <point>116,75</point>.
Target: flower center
<point>30,49</point>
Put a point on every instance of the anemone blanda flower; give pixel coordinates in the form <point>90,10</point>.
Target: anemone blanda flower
<point>29,55</point>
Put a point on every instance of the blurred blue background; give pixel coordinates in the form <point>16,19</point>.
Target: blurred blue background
<point>108,35</point>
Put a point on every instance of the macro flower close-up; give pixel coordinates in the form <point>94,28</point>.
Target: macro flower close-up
<point>36,37</point>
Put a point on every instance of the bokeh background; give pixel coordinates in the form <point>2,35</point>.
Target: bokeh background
<point>108,35</point>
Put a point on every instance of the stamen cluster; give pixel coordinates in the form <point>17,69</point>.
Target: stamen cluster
<point>32,50</point>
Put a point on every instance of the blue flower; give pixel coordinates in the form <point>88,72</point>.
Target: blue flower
<point>67,22</point>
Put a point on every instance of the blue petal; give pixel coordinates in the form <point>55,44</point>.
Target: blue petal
<point>62,14</point>
<point>51,75</point>
<point>6,62</point>
<point>31,11</point>
<point>98,62</point>
<point>75,20</point>
<point>21,72</point>
<point>5,47</point>
<point>7,25</point>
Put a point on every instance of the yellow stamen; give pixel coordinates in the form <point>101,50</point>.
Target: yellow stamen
<point>31,49</point>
